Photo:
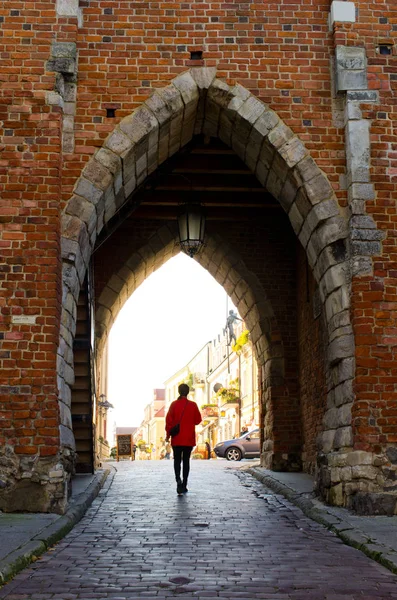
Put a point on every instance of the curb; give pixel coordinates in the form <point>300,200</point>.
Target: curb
<point>48,536</point>
<point>316,510</point>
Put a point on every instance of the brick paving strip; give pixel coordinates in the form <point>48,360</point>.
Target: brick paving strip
<point>229,537</point>
<point>376,536</point>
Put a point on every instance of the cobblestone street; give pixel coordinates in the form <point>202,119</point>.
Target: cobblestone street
<point>229,537</point>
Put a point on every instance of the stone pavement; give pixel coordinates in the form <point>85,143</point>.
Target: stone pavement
<point>376,536</point>
<point>26,536</point>
<point>229,537</point>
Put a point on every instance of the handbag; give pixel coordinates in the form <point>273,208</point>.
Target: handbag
<point>176,428</point>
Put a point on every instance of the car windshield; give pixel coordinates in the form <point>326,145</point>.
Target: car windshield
<point>247,433</point>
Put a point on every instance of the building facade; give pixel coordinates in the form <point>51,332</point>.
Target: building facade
<point>150,435</point>
<point>223,381</point>
<point>280,120</point>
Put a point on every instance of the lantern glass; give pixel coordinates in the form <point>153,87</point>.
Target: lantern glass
<point>191,222</point>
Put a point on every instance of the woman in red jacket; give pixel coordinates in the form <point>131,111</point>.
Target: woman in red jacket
<point>186,413</point>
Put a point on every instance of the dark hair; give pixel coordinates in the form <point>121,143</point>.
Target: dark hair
<point>183,389</point>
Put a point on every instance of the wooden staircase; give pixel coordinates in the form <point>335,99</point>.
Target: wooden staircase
<point>83,388</point>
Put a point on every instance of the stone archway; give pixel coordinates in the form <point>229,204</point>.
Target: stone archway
<point>198,102</point>
<point>248,295</point>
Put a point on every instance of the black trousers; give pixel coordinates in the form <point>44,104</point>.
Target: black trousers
<point>182,453</point>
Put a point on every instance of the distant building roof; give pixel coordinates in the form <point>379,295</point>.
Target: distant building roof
<point>160,412</point>
<point>159,394</point>
<point>125,430</point>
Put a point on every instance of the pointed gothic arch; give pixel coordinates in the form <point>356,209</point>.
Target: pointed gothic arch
<point>197,102</point>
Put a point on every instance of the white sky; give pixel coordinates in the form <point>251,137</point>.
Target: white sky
<point>167,320</point>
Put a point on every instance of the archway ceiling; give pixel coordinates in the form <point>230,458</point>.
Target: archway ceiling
<point>205,171</point>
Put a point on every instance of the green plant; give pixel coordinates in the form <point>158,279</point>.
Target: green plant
<point>188,380</point>
<point>241,341</point>
<point>141,443</point>
<point>229,394</point>
<point>113,452</point>
<point>197,456</point>
<point>208,406</point>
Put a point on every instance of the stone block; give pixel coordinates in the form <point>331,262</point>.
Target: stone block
<point>239,96</point>
<point>278,136</point>
<point>336,495</point>
<point>335,476</point>
<point>362,222</point>
<point>157,105</point>
<point>203,76</point>
<point>295,218</point>
<point>329,231</point>
<point>187,88</point>
<point>364,472</point>
<point>274,184</point>
<point>89,191</point>
<point>62,65</point>
<point>367,235</point>
<point>118,142</point>
<point>359,457</point>
<point>365,248</point>
<point>293,152</point>
<point>352,111</point>
<point>344,12</point>
<point>358,151</point>
<point>66,437</point>
<point>343,438</point>
<point>318,189</point>
<point>262,172</point>
<point>140,125</point>
<point>307,169</point>
<point>108,297</point>
<point>219,93</point>
<point>109,160</point>
<point>251,110</point>
<point>351,68</point>
<point>265,123</point>
<point>341,347</point>
<point>366,96</point>
<point>288,194</point>
<point>375,503</point>
<point>346,369</point>
<point>335,277</point>
<point>322,211</point>
<point>326,441</point>
<point>391,453</point>
<point>83,210</point>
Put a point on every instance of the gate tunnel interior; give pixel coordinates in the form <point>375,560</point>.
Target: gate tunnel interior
<point>271,193</point>
<point>252,251</point>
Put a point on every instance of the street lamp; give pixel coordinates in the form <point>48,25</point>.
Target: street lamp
<point>191,224</point>
<point>104,403</point>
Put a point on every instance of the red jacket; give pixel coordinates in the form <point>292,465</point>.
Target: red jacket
<point>191,417</point>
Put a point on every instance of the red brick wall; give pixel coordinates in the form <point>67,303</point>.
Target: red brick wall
<point>30,165</point>
<point>281,52</point>
<point>312,357</point>
<point>374,297</point>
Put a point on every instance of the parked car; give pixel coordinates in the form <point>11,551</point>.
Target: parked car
<point>246,446</point>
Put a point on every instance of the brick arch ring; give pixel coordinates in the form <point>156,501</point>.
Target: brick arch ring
<point>197,102</point>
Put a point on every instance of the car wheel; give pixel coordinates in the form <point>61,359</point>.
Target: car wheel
<point>233,454</point>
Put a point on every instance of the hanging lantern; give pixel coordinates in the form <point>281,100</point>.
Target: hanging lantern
<point>191,223</point>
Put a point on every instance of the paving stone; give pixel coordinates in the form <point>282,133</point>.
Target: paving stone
<point>140,540</point>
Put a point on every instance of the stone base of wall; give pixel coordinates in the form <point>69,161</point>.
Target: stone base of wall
<point>275,461</point>
<point>375,503</point>
<point>355,480</point>
<point>34,484</point>
<point>27,496</point>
